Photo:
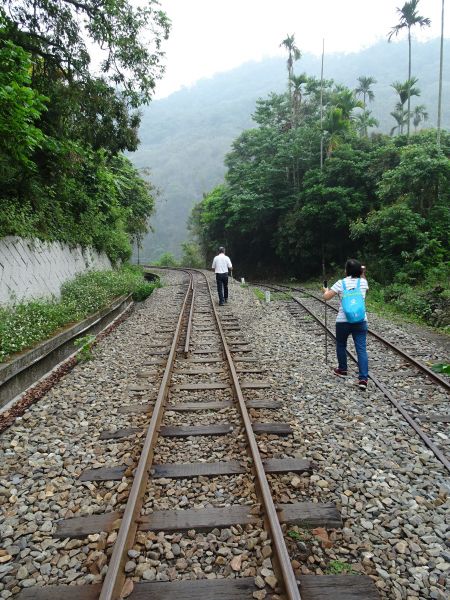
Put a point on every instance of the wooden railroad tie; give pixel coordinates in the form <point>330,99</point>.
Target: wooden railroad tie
<point>211,469</point>
<point>194,430</point>
<point>304,514</point>
<point>187,406</point>
<point>312,587</point>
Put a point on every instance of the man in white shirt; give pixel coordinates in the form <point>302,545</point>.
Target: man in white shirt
<point>221,264</point>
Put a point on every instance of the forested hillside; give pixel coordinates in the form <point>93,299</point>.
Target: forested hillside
<point>308,186</point>
<point>184,138</point>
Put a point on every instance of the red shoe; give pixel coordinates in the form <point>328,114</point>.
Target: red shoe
<point>362,384</point>
<point>339,372</point>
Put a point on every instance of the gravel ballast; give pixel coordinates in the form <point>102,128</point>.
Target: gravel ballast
<point>391,491</point>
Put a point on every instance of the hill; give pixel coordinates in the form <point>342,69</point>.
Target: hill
<point>185,136</point>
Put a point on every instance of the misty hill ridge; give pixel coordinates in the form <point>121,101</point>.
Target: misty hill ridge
<point>184,137</point>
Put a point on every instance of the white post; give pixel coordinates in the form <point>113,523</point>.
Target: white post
<point>242,280</point>
<point>267,297</point>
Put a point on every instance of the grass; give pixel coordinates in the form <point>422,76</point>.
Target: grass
<point>25,324</point>
<point>274,296</point>
<point>295,535</point>
<point>337,567</point>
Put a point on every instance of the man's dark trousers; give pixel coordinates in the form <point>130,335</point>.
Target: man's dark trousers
<point>222,286</point>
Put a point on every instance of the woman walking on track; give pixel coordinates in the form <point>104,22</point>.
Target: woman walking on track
<point>351,318</point>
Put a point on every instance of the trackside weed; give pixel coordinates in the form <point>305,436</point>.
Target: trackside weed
<point>85,344</point>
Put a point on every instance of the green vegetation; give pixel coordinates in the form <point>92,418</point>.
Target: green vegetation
<point>63,129</point>
<point>418,304</point>
<point>259,294</point>
<point>85,345</point>
<point>288,209</point>
<point>274,296</point>
<point>167,260</point>
<point>294,534</point>
<point>209,115</point>
<point>336,567</point>
<point>191,257</point>
<point>27,323</point>
<point>442,368</point>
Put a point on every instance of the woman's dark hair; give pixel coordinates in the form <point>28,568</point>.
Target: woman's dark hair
<point>353,268</point>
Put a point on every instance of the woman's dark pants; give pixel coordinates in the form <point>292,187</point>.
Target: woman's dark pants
<point>358,332</point>
<point>222,286</point>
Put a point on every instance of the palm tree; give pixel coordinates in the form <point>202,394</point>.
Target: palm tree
<point>419,114</point>
<point>408,19</point>
<point>400,116</point>
<point>346,100</point>
<point>336,125</point>
<point>405,90</point>
<point>364,90</point>
<point>297,81</point>
<point>293,55</point>
<point>363,121</point>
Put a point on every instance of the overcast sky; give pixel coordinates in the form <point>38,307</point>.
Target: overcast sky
<point>210,36</point>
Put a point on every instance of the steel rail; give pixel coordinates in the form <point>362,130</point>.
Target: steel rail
<point>428,442</point>
<point>189,325</point>
<point>431,374</point>
<point>115,576</point>
<point>289,579</point>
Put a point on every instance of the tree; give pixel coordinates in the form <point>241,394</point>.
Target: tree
<point>364,89</point>
<point>408,19</point>
<point>192,255</point>
<point>364,121</point>
<point>130,37</point>
<point>404,90</point>
<point>294,54</point>
<point>62,128</point>
<point>400,117</point>
<point>337,125</point>
<point>419,114</point>
<point>21,107</point>
<point>297,81</point>
<point>166,260</point>
<point>345,99</point>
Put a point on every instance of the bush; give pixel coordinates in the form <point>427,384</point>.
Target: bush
<point>166,260</point>
<point>430,306</point>
<point>143,290</point>
<point>27,323</point>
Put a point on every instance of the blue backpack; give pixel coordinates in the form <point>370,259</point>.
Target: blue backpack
<point>353,303</point>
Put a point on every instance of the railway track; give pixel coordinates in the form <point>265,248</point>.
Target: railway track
<point>422,401</point>
<point>202,439</point>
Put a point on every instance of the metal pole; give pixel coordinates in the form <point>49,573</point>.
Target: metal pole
<point>325,285</point>
<point>438,140</point>
<point>321,105</point>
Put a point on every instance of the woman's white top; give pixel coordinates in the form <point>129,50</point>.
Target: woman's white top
<point>350,284</point>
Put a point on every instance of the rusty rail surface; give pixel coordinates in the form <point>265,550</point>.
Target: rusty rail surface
<point>189,325</point>
<point>115,576</point>
<point>289,579</point>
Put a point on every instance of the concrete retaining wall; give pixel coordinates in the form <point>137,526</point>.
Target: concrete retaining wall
<point>25,370</point>
<point>33,269</point>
